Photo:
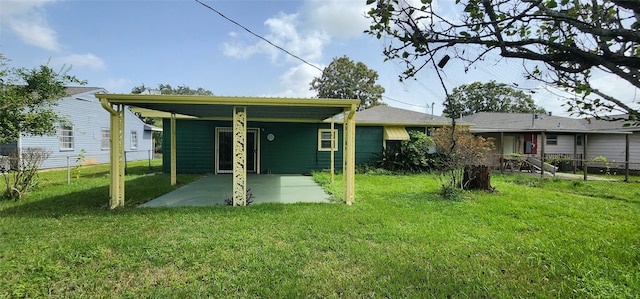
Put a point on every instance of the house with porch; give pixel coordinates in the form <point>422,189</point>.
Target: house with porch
<point>556,137</point>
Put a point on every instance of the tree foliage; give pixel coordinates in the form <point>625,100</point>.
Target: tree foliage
<point>344,79</point>
<point>456,148</point>
<point>27,100</point>
<point>489,97</point>
<point>168,89</point>
<point>566,40</point>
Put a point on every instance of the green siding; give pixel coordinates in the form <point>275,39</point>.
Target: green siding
<point>194,146</point>
<point>369,141</point>
<point>293,150</point>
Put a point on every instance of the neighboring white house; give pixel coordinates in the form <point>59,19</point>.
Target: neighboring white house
<point>522,133</point>
<point>86,134</point>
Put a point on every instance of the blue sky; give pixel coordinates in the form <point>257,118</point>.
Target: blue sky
<point>119,44</point>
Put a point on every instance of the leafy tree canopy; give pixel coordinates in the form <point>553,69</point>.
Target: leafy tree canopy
<point>168,89</point>
<point>566,40</point>
<point>488,97</point>
<point>344,79</point>
<point>27,100</point>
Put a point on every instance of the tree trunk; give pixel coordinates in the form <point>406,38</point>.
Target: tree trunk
<point>477,177</point>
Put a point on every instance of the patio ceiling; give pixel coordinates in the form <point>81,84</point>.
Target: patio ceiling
<point>220,107</point>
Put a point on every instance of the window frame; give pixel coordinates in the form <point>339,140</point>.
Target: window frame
<point>551,139</point>
<point>134,139</point>
<point>66,128</point>
<point>333,139</point>
<point>105,144</point>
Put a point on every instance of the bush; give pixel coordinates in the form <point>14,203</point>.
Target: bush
<point>24,171</point>
<point>413,155</point>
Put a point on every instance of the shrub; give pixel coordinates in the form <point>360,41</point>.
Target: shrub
<point>24,171</point>
<point>413,155</point>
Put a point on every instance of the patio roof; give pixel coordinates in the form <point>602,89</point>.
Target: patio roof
<point>239,110</point>
<point>221,107</point>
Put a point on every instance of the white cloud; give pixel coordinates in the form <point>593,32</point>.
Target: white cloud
<point>88,60</point>
<point>286,32</point>
<point>27,21</point>
<point>295,82</point>
<point>339,18</point>
<point>117,85</point>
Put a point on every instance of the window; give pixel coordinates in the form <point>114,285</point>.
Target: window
<point>579,140</point>
<point>552,139</point>
<point>134,139</point>
<point>325,142</point>
<point>66,137</point>
<point>104,141</point>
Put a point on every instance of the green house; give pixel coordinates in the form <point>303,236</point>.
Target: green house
<point>205,146</point>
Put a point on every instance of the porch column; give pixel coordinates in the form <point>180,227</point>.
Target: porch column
<point>173,150</point>
<point>584,157</point>
<point>333,144</point>
<point>501,152</point>
<point>575,153</point>
<point>239,156</point>
<point>116,154</point>
<point>626,157</point>
<point>122,160</point>
<point>349,174</point>
<point>544,142</point>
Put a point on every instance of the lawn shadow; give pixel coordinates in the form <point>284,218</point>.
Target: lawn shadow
<point>92,201</point>
<point>95,201</point>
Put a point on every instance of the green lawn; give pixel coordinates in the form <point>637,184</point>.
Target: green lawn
<point>532,238</point>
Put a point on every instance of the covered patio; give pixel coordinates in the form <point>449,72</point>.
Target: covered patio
<point>265,188</point>
<point>239,111</point>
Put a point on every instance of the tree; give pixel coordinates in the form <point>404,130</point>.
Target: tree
<point>457,149</point>
<point>566,41</point>
<point>344,79</point>
<point>489,97</point>
<point>27,99</point>
<point>167,89</point>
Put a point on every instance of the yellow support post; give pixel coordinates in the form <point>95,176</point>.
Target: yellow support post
<point>349,182</point>
<point>239,156</point>
<point>345,136</point>
<point>115,168</point>
<point>333,144</point>
<point>173,150</point>
<point>121,155</point>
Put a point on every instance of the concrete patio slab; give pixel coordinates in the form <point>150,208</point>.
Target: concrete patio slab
<point>214,189</point>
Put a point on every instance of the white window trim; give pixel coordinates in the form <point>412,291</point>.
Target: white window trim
<point>72,137</point>
<point>134,143</point>
<point>334,141</point>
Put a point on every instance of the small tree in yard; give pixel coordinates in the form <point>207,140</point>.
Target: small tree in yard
<point>24,170</point>
<point>456,150</point>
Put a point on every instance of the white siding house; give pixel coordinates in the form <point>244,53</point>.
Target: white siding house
<point>86,133</point>
<point>515,132</point>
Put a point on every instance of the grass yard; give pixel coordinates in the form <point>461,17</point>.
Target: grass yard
<point>533,238</point>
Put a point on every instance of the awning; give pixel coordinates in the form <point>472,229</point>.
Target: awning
<point>395,133</point>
